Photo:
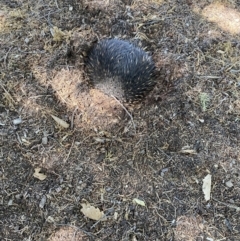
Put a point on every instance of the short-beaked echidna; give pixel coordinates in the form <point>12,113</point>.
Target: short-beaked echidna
<point>119,68</point>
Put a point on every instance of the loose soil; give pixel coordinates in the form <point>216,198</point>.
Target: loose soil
<point>186,128</point>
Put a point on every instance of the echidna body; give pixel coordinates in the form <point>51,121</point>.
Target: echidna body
<point>121,69</point>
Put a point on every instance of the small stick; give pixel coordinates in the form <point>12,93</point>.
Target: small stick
<point>126,111</point>
<point>228,205</point>
<point>7,93</point>
<point>6,56</point>
<point>56,3</point>
<point>102,218</point>
<point>73,117</point>
<point>69,151</point>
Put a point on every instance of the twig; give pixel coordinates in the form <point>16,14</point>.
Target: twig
<point>73,117</point>
<point>7,93</point>
<point>102,218</point>
<point>208,76</point>
<point>56,3</point>
<point>19,139</point>
<point>164,153</point>
<point>49,20</point>
<point>5,57</point>
<point>228,205</point>
<point>126,111</point>
<point>69,151</point>
<point>38,96</point>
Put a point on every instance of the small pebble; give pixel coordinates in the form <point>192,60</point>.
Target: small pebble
<point>42,202</point>
<point>163,171</point>
<point>10,202</point>
<point>44,140</point>
<point>26,40</point>
<point>17,121</point>
<point>229,183</point>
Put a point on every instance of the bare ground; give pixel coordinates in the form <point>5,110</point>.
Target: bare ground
<point>186,128</point>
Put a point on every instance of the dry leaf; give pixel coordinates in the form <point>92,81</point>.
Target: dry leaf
<point>188,151</point>
<point>92,212</point>
<point>139,202</point>
<point>39,175</point>
<point>59,35</point>
<point>60,121</point>
<point>206,187</point>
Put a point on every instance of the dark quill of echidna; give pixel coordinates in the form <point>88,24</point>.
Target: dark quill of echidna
<point>120,69</point>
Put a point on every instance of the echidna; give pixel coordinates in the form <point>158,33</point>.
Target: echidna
<point>119,68</point>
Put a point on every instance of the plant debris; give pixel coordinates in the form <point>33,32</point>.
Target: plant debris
<point>206,187</point>
<point>39,175</point>
<point>92,212</point>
